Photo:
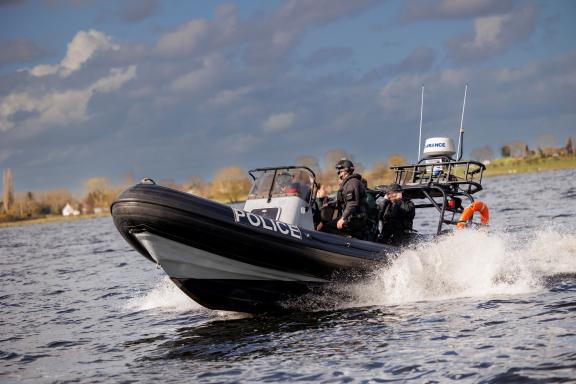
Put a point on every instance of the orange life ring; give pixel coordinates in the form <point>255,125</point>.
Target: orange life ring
<point>476,206</point>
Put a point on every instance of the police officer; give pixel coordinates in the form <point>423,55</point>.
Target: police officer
<point>397,216</point>
<point>372,212</point>
<point>351,201</point>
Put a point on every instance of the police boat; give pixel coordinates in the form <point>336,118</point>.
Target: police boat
<point>253,258</point>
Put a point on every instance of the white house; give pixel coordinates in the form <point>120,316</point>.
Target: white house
<point>69,211</point>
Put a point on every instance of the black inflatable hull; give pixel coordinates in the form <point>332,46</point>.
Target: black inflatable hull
<point>226,259</point>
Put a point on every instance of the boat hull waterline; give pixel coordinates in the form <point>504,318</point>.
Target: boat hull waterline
<point>228,259</point>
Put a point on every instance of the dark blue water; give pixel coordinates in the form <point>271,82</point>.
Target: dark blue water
<point>77,304</point>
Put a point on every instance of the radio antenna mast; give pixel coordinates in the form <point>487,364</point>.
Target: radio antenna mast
<point>420,136</point>
<point>461,137</point>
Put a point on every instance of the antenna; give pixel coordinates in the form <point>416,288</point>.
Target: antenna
<point>420,136</point>
<point>461,137</point>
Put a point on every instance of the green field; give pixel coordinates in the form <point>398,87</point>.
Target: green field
<point>510,165</point>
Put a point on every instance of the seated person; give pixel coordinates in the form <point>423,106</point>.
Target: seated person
<point>285,185</point>
<point>372,211</point>
<point>303,184</point>
<point>325,208</point>
<point>397,215</point>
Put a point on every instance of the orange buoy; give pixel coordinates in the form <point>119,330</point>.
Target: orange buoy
<point>476,206</point>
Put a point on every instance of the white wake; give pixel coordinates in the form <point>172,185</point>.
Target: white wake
<point>166,297</point>
<point>471,263</point>
<point>467,263</point>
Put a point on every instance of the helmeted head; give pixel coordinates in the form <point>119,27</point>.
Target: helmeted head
<point>393,192</point>
<point>394,187</point>
<point>344,167</point>
<point>284,178</point>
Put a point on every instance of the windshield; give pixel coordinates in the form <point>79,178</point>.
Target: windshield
<point>282,182</point>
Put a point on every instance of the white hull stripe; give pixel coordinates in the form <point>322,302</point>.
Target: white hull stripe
<point>185,262</point>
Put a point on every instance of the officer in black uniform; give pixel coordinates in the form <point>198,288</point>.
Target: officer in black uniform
<point>397,216</point>
<point>351,202</point>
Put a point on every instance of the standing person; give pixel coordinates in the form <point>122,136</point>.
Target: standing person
<point>397,216</point>
<point>351,201</point>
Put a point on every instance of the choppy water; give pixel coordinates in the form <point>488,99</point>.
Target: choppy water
<point>78,305</point>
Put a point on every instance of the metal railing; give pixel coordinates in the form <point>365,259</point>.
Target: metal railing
<point>466,175</point>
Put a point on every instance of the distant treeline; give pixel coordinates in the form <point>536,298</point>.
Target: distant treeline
<point>545,148</point>
<point>15,206</point>
<point>231,184</point>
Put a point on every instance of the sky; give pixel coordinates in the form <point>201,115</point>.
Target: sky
<point>173,89</point>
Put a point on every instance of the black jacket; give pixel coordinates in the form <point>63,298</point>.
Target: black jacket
<point>352,198</point>
<point>397,216</point>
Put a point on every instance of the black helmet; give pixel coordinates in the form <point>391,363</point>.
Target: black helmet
<point>394,187</point>
<point>345,164</point>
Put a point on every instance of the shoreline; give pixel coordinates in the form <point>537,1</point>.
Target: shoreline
<point>514,166</point>
<point>49,219</point>
<point>499,168</point>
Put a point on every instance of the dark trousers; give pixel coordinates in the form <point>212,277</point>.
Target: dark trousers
<point>396,237</point>
<point>355,228</point>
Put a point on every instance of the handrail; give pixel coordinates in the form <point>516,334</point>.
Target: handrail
<point>276,168</point>
<point>451,173</point>
<point>313,189</point>
<point>420,165</point>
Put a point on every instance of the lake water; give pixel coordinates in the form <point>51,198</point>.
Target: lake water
<point>77,304</point>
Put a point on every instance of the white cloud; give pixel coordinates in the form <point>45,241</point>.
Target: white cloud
<point>539,88</point>
<point>494,34</point>
<point>278,122</point>
<point>210,71</point>
<point>44,70</point>
<point>82,47</point>
<point>453,9</point>
<point>184,39</point>
<point>200,36</point>
<point>116,78</point>
<point>487,30</point>
<point>59,107</point>
<point>264,39</point>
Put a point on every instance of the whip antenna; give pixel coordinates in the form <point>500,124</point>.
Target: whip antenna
<point>420,136</point>
<point>461,137</point>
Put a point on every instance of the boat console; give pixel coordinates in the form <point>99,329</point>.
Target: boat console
<point>283,194</point>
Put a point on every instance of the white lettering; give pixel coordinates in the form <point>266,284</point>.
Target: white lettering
<point>265,226</point>
<point>253,219</point>
<point>295,231</point>
<point>238,214</point>
<point>274,225</point>
<point>262,222</point>
<point>284,231</point>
